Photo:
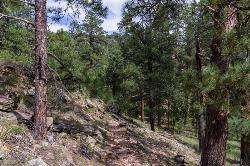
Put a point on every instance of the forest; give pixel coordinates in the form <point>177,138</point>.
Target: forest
<point>180,69</point>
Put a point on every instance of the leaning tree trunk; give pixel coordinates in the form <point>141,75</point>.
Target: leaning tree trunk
<point>245,150</point>
<point>40,117</point>
<point>214,152</point>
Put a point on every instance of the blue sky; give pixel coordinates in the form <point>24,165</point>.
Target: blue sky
<point>109,25</point>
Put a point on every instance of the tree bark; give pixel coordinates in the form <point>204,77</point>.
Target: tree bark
<point>216,137</point>
<point>40,116</point>
<point>151,114</point>
<point>201,130</point>
<point>245,138</point>
<point>200,115</point>
<point>150,90</point>
<point>168,114</point>
<point>142,108</point>
<point>214,151</point>
<point>245,150</point>
<point>158,118</point>
<point>1,7</point>
<point>114,86</point>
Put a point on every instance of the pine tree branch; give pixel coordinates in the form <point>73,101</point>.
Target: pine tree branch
<point>241,7</point>
<point>60,62</point>
<point>16,18</point>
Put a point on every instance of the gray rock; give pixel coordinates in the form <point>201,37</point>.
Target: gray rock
<point>98,135</point>
<point>93,132</point>
<point>88,130</point>
<point>114,109</point>
<point>36,162</point>
<point>31,91</point>
<point>89,103</point>
<point>49,122</point>
<point>67,157</point>
<point>66,97</point>
<point>45,144</point>
<point>6,103</point>
<point>50,138</point>
<point>37,146</point>
<point>90,141</point>
<point>2,154</point>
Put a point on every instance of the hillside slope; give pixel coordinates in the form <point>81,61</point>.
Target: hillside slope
<point>82,131</point>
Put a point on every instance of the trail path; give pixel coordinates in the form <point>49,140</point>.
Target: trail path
<point>128,149</point>
<point>124,150</point>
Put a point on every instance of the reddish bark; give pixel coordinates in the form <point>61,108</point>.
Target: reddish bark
<point>40,116</point>
<point>216,137</point>
<point>214,152</point>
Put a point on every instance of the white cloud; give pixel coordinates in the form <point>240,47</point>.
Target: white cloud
<point>115,8</point>
<point>110,23</point>
<point>55,27</point>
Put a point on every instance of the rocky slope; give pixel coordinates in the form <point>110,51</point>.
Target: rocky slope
<point>82,131</point>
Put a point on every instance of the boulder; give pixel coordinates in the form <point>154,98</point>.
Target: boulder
<point>90,141</point>
<point>114,109</point>
<point>87,144</point>
<point>89,103</point>
<point>49,122</point>
<point>50,138</point>
<point>6,103</point>
<point>93,132</point>
<point>2,154</point>
<point>31,91</point>
<point>98,135</point>
<point>45,143</point>
<point>180,160</point>
<point>36,162</point>
<point>88,130</point>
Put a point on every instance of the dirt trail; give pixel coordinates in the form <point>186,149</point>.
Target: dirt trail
<point>133,145</point>
<point>124,150</point>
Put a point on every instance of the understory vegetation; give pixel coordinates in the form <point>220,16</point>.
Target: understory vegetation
<point>177,67</point>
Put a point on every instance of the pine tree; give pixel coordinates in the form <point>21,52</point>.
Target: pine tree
<point>40,116</point>
<point>214,151</point>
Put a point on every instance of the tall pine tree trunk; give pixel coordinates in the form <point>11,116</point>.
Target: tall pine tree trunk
<point>168,115</point>
<point>245,150</point>
<point>150,91</point>
<point>159,118</point>
<point>201,130</point>
<point>216,137</point>
<point>40,117</point>
<point>142,108</point>
<point>245,139</point>
<point>151,114</point>
<point>214,151</point>
<point>200,115</point>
